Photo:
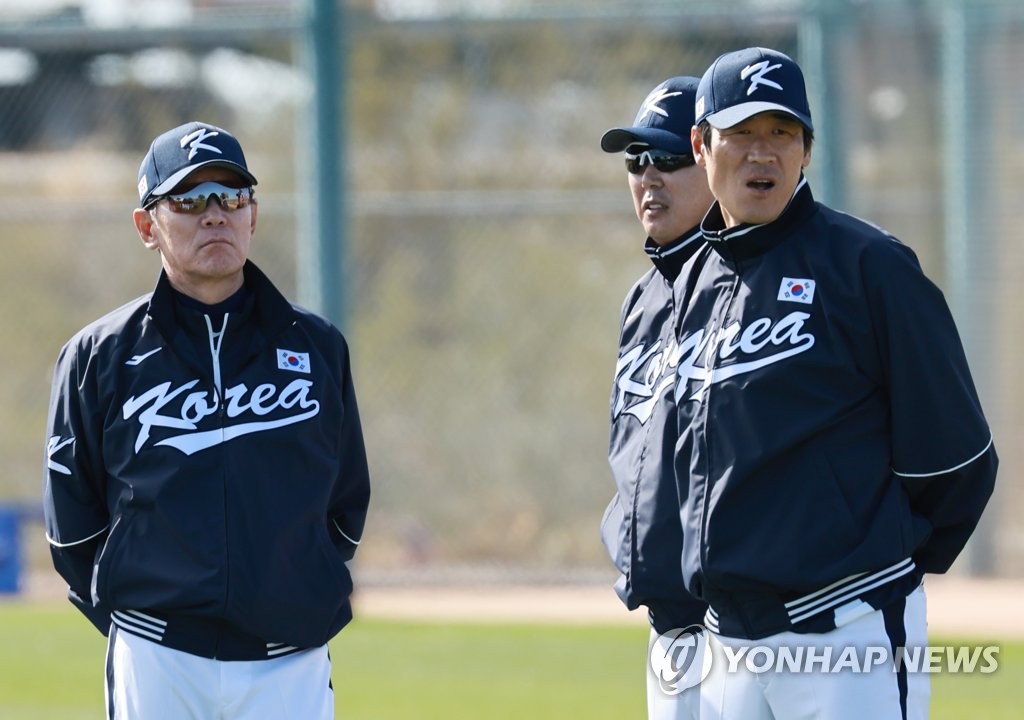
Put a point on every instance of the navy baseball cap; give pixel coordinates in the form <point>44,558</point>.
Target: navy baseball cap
<point>663,120</point>
<point>746,82</point>
<point>177,152</point>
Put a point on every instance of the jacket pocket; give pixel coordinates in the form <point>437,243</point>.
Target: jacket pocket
<point>613,533</point>
<point>839,506</point>
<point>345,544</point>
<point>295,592</point>
<point>107,558</point>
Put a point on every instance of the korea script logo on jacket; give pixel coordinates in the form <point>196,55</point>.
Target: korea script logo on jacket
<point>642,375</point>
<point>736,350</point>
<point>157,408</point>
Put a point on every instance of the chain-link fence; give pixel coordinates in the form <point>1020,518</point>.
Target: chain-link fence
<point>489,240</point>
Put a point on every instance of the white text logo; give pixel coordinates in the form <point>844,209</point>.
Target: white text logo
<point>683,658</point>
<point>651,104</point>
<point>261,401</point>
<point>52,447</point>
<point>735,340</point>
<point>826,659</point>
<point>680,659</point>
<point>645,374</point>
<point>195,142</point>
<point>757,73</point>
<point>137,359</point>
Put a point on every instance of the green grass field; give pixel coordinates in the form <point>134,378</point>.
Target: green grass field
<point>51,668</point>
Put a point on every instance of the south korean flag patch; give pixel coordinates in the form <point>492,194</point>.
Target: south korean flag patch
<point>293,361</point>
<point>798,290</point>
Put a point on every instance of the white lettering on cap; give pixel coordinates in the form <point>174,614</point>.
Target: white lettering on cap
<point>194,140</point>
<point>758,71</point>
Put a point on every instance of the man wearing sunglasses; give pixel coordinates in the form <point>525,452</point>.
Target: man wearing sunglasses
<point>206,481</point>
<point>640,528</point>
<point>832,446</point>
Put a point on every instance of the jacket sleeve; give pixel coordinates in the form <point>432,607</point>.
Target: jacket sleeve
<point>74,507</point>
<point>351,495</point>
<point>942,447</point>
<point>614,529</point>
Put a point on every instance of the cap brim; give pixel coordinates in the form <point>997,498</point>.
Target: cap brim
<point>736,114</point>
<point>167,185</point>
<point>618,139</point>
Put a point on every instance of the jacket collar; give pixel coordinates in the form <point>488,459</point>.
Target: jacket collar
<point>273,312</point>
<point>747,241</point>
<point>669,259</point>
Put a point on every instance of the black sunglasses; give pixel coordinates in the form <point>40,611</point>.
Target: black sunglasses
<point>665,162</point>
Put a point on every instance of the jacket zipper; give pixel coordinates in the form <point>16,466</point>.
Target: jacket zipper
<point>216,339</point>
<point>710,362</point>
<point>645,440</point>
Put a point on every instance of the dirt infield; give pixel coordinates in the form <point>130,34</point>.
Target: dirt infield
<point>957,607</point>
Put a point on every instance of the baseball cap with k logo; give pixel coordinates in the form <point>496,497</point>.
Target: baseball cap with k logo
<point>181,150</point>
<point>663,120</point>
<point>741,84</point>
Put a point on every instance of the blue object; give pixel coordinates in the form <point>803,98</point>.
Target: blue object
<point>10,551</point>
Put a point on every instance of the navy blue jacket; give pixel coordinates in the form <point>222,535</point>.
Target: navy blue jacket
<point>640,528</point>
<point>834,448</point>
<point>206,478</point>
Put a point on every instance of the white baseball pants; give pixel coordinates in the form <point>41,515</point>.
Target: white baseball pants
<point>662,705</point>
<point>146,680</point>
<point>752,684</point>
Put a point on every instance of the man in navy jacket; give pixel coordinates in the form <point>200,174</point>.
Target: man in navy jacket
<point>206,481</point>
<point>641,526</point>
<point>832,447</point>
